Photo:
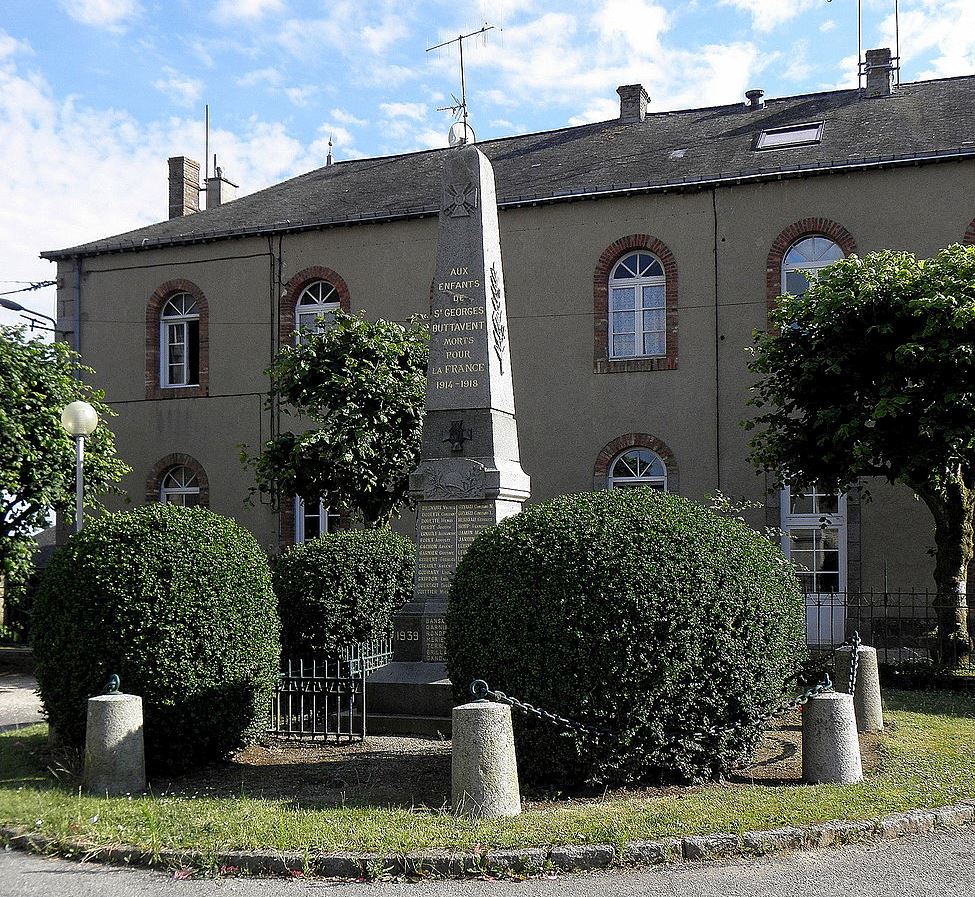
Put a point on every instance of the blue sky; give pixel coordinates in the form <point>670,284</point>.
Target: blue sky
<point>95,95</point>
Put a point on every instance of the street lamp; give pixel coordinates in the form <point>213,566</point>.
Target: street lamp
<point>79,419</point>
<point>10,305</point>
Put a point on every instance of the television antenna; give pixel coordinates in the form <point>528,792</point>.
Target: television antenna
<point>895,60</point>
<point>460,135</point>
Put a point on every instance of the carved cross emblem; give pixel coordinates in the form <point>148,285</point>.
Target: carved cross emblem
<point>458,436</point>
<point>460,201</point>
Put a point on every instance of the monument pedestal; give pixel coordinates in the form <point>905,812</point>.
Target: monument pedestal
<point>469,477</point>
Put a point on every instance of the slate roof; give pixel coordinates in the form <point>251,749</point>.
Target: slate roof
<point>922,121</point>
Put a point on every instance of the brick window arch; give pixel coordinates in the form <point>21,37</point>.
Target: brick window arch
<point>154,341</point>
<point>613,450</point>
<point>602,362</point>
<point>969,238</point>
<point>807,227</point>
<point>154,482</point>
<point>293,289</point>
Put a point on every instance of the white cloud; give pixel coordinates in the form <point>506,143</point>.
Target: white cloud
<point>84,173</point>
<point>799,67</point>
<point>576,62</point>
<point>112,15</point>
<point>828,26</point>
<point>181,89</point>
<point>347,118</point>
<point>769,14</point>
<point>380,37</point>
<point>10,45</point>
<point>415,111</point>
<point>266,77</point>
<point>942,32</point>
<point>249,10</point>
<point>300,95</point>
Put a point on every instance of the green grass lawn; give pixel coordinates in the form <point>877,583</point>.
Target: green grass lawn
<point>927,760</point>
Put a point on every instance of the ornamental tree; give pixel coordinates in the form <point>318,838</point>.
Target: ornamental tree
<point>362,386</point>
<point>37,456</point>
<point>871,372</point>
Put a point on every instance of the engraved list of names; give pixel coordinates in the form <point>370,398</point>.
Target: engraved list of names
<point>446,530</point>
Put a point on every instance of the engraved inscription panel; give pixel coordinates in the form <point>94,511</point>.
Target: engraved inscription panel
<point>445,530</point>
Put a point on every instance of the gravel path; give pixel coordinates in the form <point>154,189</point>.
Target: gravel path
<point>19,704</point>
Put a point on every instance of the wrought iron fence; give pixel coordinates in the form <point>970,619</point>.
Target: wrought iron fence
<point>902,626</point>
<point>324,698</point>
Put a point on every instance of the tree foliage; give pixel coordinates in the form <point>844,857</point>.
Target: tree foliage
<point>37,457</point>
<point>361,385</point>
<point>872,373</point>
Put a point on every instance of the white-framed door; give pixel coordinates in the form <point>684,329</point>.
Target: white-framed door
<point>814,525</point>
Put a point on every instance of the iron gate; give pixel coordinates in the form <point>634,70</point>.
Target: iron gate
<point>324,698</point>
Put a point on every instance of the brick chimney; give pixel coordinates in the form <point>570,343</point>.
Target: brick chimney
<point>219,189</point>
<point>633,102</point>
<point>880,73</point>
<point>184,186</point>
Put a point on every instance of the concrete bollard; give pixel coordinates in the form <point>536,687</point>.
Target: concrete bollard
<point>483,769</point>
<point>866,697</point>
<point>115,761</point>
<point>830,746</point>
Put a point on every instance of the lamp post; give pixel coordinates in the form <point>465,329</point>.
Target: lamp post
<point>79,419</point>
<point>10,305</point>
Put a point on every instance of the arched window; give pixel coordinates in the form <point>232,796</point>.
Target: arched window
<point>316,307</point>
<point>805,259</point>
<point>634,295</point>
<point>180,479</point>
<point>637,307</point>
<point>180,486</point>
<point>311,298</point>
<point>636,459</point>
<point>179,342</point>
<point>637,467</point>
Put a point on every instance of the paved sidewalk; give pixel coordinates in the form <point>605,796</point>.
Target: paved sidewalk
<point>938,865</point>
<point>19,704</point>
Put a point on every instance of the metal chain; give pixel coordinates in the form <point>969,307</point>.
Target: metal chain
<point>854,660</point>
<point>480,691</point>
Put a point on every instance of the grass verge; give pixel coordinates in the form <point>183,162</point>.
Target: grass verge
<point>928,760</point>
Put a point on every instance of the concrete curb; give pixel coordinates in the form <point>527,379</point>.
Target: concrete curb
<point>514,862</point>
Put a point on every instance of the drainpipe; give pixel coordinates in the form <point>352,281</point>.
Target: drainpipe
<point>76,305</point>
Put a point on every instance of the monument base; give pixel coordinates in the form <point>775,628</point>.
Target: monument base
<point>409,698</point>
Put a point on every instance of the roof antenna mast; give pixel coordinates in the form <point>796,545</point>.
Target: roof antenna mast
<point>460,106</point>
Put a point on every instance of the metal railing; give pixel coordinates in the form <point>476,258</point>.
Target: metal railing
<point>902,626</point>
<point>324,698</point>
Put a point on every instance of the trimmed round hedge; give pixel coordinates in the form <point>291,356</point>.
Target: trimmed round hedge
<point>176,601</point>
<point>636,612</point>
<point>342,587</point>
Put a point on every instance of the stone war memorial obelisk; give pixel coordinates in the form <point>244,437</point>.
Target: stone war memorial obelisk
<point>469,476</point>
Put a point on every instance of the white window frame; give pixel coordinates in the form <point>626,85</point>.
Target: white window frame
<point>768,139</point>
<point>170,324</point>
<point>190,485</point>
<point>639,332</point>
<point>617,482</point>
<point>811,269</point>
<point>327,520</point>
<point>309,315</point>
<point>825,610</point>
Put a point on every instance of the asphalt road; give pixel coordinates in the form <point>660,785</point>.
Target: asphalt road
<point>916,866</point>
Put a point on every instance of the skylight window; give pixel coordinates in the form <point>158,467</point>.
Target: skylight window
<point>793,135</point>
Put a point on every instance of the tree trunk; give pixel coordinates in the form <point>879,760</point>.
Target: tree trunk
<point>953,509</point>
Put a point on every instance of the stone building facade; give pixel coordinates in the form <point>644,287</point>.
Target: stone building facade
<point>640,254</point>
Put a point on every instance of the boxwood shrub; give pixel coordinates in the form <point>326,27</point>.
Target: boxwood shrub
<point>177,602</point>
<point>342,587</point>
<point>636,612</point>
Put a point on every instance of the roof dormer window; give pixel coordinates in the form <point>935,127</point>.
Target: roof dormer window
<point>792,135</point>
